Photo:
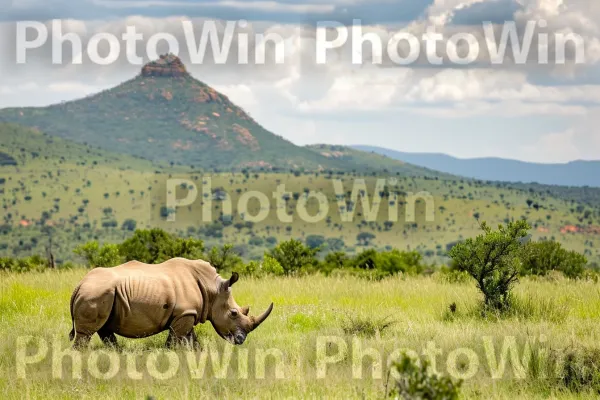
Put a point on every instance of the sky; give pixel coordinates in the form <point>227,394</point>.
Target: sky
<point>530,110</point>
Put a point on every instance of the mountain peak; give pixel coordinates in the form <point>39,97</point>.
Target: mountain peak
<point>167,66</point>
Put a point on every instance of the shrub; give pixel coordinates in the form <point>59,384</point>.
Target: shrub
<point>388,263</point>
<point>335,244</point>
<point>334,261</point>
<point>129,225</point>
<point>539,258</point>
<point>395,261</point>
<point>493,260</point>
<point>225,258</point>
<point>365,260</point>
<point>293,256</point>
<point>365,238</point>
<point>256,241</point>
<point>96,256</point>
<point>367,327</point>
<point>33,263</point>
<point>315,241</point>
<point>415,382</point>
<point>269,266</point>
<point>578,370</point>
<point>155,246</point>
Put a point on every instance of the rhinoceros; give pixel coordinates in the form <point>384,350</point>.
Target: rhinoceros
<point>137,300</point>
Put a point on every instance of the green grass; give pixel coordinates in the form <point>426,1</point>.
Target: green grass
<point>307,308</point>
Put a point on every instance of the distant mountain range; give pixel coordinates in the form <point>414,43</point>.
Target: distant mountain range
<point>576,173</point>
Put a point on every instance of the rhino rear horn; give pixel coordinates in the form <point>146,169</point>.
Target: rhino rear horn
<point>261,318</point>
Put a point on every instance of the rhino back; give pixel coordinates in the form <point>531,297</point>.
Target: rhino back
<point>147,297</point>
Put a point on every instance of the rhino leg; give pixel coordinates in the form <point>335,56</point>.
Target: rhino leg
<point>182,331</point>
<point>81,341</point>
<point>108,337</point>
<point>90,313</point>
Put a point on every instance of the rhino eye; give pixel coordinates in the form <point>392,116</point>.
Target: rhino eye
<point>234,313</point>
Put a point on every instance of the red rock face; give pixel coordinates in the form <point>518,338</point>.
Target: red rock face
<point>592,230</point>
<point>166,66</point>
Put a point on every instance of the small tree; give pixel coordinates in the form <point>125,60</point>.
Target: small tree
<point>365,238</point>
<point>96,256</point>
<point>294,256</point>
<point>492,259</point>
<point>315,241</point>
<point>155,246</point>
<point>224,258</point>
<point>129,225</point>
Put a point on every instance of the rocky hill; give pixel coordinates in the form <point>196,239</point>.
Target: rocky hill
<point>165,114</point>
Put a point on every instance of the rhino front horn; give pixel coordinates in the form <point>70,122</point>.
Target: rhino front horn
<point>260,319</point>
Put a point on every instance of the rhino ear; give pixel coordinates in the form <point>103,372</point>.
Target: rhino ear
<point>225,285</point>
<point>245,310</point>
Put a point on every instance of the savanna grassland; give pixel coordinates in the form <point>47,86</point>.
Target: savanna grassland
<point>101,168</point>
<point>555,317</point>
<point>75,194</point>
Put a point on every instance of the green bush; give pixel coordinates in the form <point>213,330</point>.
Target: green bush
<point>33,263</point>
<point>269,266</point>
<point>225,258</point>
<point>414,382</point>
<point>539,258</point>
<point>315,241</point>
<point>129,225</point>
<point>96,256</point>
<point>293,256</point>
<point>272,267</point>
<point>155,246</point>
<point>335,260</point>
<point>395,261</point>
<point>493,260</point>
<point>373,264</point>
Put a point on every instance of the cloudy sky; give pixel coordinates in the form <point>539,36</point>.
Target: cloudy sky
<point>530,110</point>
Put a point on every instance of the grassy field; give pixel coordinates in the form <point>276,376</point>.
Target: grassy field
<point>555,316</point>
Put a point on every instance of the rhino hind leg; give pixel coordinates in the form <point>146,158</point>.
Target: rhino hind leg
<point>90,315</point>
<point>108,337</point>
<point>81,341</point>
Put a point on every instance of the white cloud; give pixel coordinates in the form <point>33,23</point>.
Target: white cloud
<point>243,5</point>
<point>558,147</point>
<point>293,99</point>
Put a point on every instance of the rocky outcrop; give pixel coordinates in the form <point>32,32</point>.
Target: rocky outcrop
<point>167,66</point>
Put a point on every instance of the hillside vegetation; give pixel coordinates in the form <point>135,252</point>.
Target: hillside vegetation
<point>75,194</point>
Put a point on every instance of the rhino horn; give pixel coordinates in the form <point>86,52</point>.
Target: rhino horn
<point>260,319</point>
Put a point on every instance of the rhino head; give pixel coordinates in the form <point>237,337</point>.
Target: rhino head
<point>231,321</point>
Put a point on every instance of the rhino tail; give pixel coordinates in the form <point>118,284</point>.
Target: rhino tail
<point>73,296</point>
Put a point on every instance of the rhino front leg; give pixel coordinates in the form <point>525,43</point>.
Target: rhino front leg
<point>192,340</point>
<point>182,331</point>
